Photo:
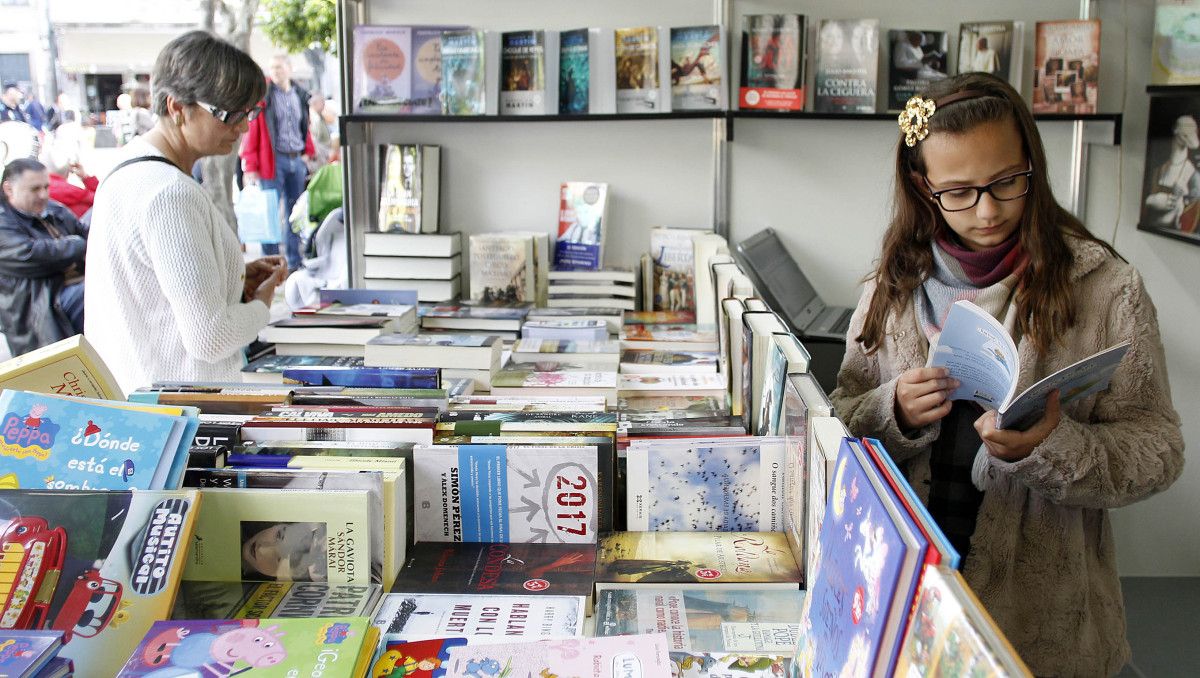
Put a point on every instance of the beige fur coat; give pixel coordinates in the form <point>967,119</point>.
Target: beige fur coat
<point>1042,559</point>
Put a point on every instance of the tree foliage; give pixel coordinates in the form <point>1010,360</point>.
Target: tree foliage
<point>299,25</point>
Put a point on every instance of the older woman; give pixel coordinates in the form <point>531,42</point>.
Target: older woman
<point>169,295</point>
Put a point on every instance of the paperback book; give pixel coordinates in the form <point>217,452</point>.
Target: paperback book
<point>382,67</point>
<point>582,218</point>
<point>1066,60</point>
<point>916,59</point>
<point>672,280</point>
<point>480,619</point>
<point>773,73</point>
<point>279,599</point>
<point>697,68</point>
<point>502,268</point>
<point>847,66</point>
<point>548,569</point>
<point>523,73</point>
<point>490,493</point>
<point>70,367</point>
<point>637,70</point>
<point>408,194</point>
<point>686,560</point>
<point>574,81</point>
<point>426,98</point>
<point>617,657</point>
<point>995,47</point>
<point>464,78</point>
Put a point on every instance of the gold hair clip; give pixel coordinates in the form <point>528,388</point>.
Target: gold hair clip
<point>914,121</point>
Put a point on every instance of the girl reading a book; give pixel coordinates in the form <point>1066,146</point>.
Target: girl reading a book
<point>974,218</point>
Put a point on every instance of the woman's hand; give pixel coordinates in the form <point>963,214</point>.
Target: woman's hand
<point>1016,445</point>
<point>259,270</point>
<point>264,289</point>
<point>923,396</point>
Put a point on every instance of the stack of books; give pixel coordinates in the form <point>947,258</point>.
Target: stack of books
<point>338,329</point>
<point>502,320</point>
<point>605,288</point>
<point>458,356</point>
<point>428,263</point>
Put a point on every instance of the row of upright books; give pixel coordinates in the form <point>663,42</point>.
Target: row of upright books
<point>448,70</point>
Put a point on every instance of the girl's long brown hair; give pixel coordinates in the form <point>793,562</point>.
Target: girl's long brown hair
<point>1043,302</point>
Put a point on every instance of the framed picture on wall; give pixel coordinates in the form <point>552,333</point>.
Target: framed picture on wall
<point>1171,184</point>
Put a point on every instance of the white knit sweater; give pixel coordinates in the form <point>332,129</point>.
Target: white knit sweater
<point>164,279</point>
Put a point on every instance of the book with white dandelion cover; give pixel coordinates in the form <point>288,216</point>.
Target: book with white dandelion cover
<point>867,563</point>
<point>735,484</point>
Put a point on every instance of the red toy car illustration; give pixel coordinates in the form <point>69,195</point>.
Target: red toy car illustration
<point>31,561</point>
<point>90,606</point>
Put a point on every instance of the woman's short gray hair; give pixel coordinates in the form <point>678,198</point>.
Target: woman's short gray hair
<point>198,66</point>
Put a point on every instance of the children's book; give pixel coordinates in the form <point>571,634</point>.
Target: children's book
<point>582,219</point>
<point>615,657</point>
<point>697,68</point>
<point>687,560</point>
<point>753,624</point>
<point>847,66</point>
<point>523,73</point>
<point>868,561</point>
<point>331,647</point>
<point>490,493</point>
<point>637,70</point>
<point>74,443</point>
<point>1066,77</point>
<point>952,634</point>
<point>982,356</point>
<point>25,654</point>
<point>915,59</point>
<point>382,67</point>
<point>574,75</point>
<point>98,567</point>
<point>773,48</point>
<point>548,569</point>
<point>705,486</point>
<point>481,619</point>
<point>68,367</point>
<point>464,89</point>
<point>294,535</point>
<point>290,599</point>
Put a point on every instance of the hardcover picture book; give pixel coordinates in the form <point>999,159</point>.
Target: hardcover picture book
<point>574,81</point>
<point>752,560</point>
<point>637,70</point>
<point>279,599</point>
<point>1066,77</point>
<point>582,219</point>
<point>382,67</point>
<point>547,569</point>
<point>523,73</point>
<point>697,68</point>
<point>915,59</point>
<point>408,194</point>
<point>980,353</point>
<point>995,47</point>
<point>773,73</point>
<point>332,647</point>
<point>480,619</point>
<point>706,485</point>
<point>490,493</point>
<point>464,90</point>
<point>847,66</point>
<point>97,566</point>
<point>25,654</point>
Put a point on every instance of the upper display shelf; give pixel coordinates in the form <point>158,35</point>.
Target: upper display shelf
<point>1109,124</point>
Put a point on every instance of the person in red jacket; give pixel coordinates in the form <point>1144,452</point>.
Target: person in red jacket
<point>78,200</point>
<point>275,146</point>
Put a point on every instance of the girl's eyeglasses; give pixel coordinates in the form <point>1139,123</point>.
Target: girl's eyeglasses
<point>231,117</point>
<point>962,198</point>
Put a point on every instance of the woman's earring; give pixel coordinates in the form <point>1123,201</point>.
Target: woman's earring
<point>179,120</point>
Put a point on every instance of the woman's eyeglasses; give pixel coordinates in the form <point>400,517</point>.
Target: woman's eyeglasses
<point>962,198</point>
<point>231,117</point>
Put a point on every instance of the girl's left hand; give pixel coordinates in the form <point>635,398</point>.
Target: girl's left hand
<point>1013,446</point>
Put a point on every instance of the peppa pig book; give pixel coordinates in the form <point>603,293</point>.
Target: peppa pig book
<point>333,647</point>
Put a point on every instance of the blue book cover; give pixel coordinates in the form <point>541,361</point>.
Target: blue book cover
<point>574,69</point>
<point>463,74</point>
<point>507,493</point>
<point>366,377</point>
<point>950,556</point>
<point>865,571</point>
<point>24,653</point>
<point>69,443</point>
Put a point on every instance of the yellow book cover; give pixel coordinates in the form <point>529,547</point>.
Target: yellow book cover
<point>98,566</point>
<point>68,367</point>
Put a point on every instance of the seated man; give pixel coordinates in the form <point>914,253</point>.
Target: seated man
<point>61,165</point>
<point>42,248</point>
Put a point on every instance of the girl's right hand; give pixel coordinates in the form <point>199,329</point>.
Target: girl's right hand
<point>266,289</point>
<point>922,396</point>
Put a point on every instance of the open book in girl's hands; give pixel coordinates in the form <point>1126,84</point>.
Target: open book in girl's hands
<point>983,358</point>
